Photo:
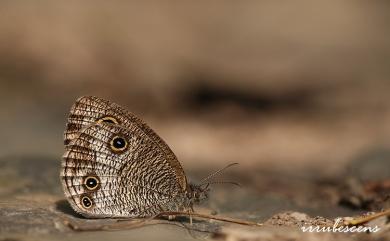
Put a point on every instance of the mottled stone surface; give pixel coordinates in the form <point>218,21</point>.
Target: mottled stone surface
<point>32,207</point>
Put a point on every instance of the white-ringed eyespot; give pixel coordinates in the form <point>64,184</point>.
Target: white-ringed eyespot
<point>86,202</point>
<point>91,182</point>
<point>118,144</point>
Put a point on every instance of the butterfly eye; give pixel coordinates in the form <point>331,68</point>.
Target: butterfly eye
<point>118,144</point>
<point>91,182</point>
<point>108,119</point>
<point>86,202</point>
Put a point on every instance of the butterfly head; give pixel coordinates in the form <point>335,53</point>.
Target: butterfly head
<point>198,193</point>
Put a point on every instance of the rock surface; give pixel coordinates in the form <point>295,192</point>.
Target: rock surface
<point>32,207</point>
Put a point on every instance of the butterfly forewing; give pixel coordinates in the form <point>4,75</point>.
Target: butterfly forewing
<point>115,165</point>
<point>90,109</point>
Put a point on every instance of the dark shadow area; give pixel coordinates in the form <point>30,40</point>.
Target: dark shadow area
<point>64,206</point>
<point>366,184</point>
<point>203,95</point>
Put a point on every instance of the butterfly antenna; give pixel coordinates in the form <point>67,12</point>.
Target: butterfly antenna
<point>223,182</point>
<point>216,173</point>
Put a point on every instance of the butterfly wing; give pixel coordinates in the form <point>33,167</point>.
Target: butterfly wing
<point>112,171</point>
<point>90,109</point>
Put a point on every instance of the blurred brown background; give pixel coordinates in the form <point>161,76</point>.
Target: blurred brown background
<point>270,84</point>
<point>297,92</point>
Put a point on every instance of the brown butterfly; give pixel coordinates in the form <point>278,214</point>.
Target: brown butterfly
<point>115,165</point>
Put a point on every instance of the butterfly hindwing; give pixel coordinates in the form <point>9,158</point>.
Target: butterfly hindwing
<point>101,180</point>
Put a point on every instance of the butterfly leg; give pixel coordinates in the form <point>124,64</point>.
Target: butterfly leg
<point>189,213</point>
<point>191,210</point>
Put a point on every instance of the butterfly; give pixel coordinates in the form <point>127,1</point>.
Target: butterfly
<point>115,165</point>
